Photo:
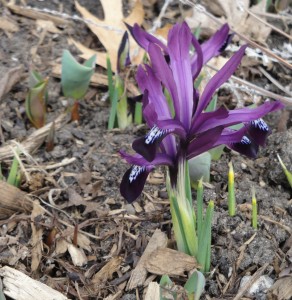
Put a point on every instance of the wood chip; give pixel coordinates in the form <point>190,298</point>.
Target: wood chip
<point>12,200</point>
<point>21,287</point>
<point>78,256</point>
<point>37,235</point>
<point>282,289</point>
<point>153,291</point>
<point>9,79</point>
<point>138,275</point>
<point>170,262</point>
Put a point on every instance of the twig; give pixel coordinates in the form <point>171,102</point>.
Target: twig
<point>64,162</point>
<point>268,24</point>
<point>274,16</point>
<point>33,141</point>
<point>275,82</point>
<point>258,90</point>
<point>253,279</point>
<point>157,22</point>
<point>288,229</point>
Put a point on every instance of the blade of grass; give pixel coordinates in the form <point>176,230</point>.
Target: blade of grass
<point>110,81</point>
<point>13,173</point>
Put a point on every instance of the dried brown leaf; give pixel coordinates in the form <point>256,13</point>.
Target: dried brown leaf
<point>236,16</point>
<point>107,271</point>
<point>110,30</point>
<point>47,25</point>
<point>7,25</point>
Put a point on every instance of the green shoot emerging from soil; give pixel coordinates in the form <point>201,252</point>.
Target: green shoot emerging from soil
<point>120,116</point>
<point>14,176</point>
<point>36,100</point>
<point>231,193</point>
<point>75,80</point>
<point>286,171</point>
<point>254,210</point>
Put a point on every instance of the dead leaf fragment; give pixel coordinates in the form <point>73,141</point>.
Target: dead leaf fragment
<point>7,25</point>
<point>106,272</point>
<point>170,262</point>
<point>47,25</point>
<point>112,25</point>
<point>235,13</point>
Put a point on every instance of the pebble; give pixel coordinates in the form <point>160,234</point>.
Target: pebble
<point>262,183</point>
<point>260,286</point>
<point>243,166</point>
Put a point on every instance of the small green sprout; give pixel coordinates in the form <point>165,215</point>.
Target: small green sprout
<point>36,100</point>
<point>231,193</point>
<point>195,285</point>
<point>254,210</point>
<point>119,113</point>
<point>286,171</point>
<point>75,79</point>
<point>14,176</point>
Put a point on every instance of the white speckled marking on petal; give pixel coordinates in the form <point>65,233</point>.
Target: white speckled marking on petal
<point>261,124</point>
<point>154,134</point>
<point>136,171</point>
<point>245,140</point>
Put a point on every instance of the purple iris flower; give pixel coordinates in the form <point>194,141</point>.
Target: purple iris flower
<point>185,130</point>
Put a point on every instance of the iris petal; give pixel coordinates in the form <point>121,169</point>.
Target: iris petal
<point>147,146</point>
<point>258,131</point>
<point>246,147</point>
<point>144,39</point>
<point>218,79</point>
<point>133,182</point>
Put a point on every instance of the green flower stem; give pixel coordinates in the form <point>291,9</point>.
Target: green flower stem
<point>200,207</point>
<point>231,193</point>
<point>138,114</point>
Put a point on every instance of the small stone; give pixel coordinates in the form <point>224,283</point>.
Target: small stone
<point>260,286</point>
<point>243,166</point>
<point>262,183</point>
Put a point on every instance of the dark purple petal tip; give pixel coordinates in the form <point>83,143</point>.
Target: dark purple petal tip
<point>133,182</point>
<point>259,131</point>
<point>246,147</point>
<point>123,53</point>
<point>147,145</point>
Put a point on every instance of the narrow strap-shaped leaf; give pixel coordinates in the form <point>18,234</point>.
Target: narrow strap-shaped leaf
<point>13,173</point>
